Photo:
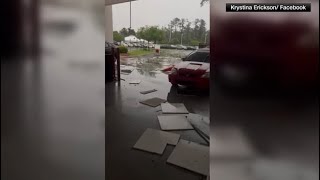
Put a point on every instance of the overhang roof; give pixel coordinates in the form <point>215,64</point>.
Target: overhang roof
<point>112,2</point>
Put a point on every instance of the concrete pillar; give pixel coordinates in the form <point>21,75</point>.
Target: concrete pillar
<point>109,24</point>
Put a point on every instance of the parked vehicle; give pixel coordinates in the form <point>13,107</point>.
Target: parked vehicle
<point>173,46</point>
<point>116,43</point>
<point>191,48</point>
<point>124,44</point>
<point>130,45</point>
<point>166,46</point>
<point>181,47</point>
<point>194,70</point>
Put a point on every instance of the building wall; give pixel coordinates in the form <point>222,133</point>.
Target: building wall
<point>109,24</point>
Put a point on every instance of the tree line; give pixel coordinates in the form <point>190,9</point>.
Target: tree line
<point>178,31</point>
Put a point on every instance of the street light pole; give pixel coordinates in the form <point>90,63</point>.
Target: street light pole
<point>130,14</point>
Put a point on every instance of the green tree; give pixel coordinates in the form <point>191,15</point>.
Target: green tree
<point>117,36</point>
<point>202,30</point>
<point>187,32</point>
<point>127,31</point>
<point>151,33</point>
<point>194,43</point>
<point>131,32</point>
<point>124,32</point>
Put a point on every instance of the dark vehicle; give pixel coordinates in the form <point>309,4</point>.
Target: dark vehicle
<point>191,48</point>
<point>193,71</point>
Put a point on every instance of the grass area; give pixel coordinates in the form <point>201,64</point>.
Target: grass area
<point>140,52</point>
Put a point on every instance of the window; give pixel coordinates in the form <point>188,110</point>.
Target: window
<point>198,57</point>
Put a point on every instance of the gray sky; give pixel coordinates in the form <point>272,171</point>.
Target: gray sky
<point>157,12</point>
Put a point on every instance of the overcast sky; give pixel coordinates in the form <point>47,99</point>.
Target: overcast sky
<point>157,12</point>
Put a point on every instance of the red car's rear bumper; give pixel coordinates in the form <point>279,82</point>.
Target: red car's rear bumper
<point>197,82</point>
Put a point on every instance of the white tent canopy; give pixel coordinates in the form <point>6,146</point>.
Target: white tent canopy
<point>131,38</point>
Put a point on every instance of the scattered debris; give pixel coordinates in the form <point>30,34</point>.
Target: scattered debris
<point>197,121</point>
<point>191,156</point>
<point>155,141</point>
<point>174,108</point>
<point>135,82</point>
<point>174,122</point>
<point>126,71</point>
<point>148,91</point>
<point>154,71</point>
<point>204,136</point>
<point>153,102</point>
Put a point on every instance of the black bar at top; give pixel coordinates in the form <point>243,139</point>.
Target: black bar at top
<point>270,7</point>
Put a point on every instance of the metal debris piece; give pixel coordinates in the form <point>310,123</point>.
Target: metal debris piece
<point>148,91</point>
<point>153,102</point>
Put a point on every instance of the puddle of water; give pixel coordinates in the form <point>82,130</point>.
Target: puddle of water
<point>151,64</point>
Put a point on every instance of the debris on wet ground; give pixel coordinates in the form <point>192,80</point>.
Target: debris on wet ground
<point>155,71</point>
<point>137,81</point>
<point>174,108</point>
<point>174,122</point>
<point>171,117</point>
<point>148,91</point>
<point>155,141</point>
<point>126,71</point>
<point>191,156</point>
<point>153,102</point>
<point>200,123</point>
<point>201,134</point>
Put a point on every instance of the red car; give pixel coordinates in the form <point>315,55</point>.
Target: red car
<point>194,70</point>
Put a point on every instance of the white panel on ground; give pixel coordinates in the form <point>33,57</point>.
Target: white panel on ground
<point>137,81</point>
<point>174,122</point>
<point>174,108</point>
<point>191,156</point>
<point>148,91</point>
<point>153,102</point>
<point>155,141</point>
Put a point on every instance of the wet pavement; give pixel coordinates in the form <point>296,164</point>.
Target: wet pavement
<point>127,119</point>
